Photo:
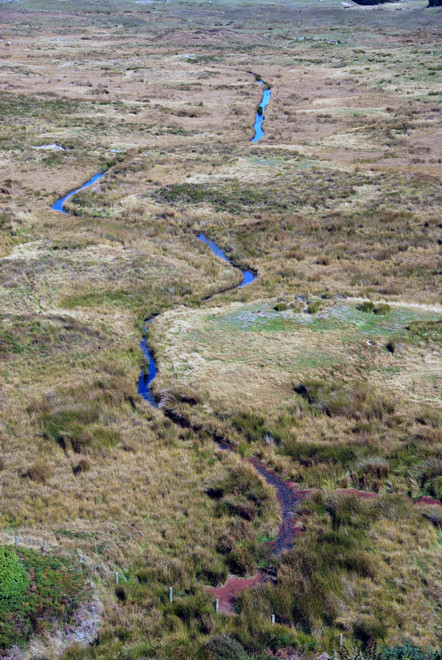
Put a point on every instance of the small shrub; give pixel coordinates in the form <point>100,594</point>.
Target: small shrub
<point>370,470</point>
<point>313,307</point>
<point>194,608</point>
<point>350,400</point>
<point>13,577</point>
<point>382,309</point>
<point>106,437</point>
<point>369,629</point>
<point>430,477</point>
<point>83,465</point>
<point>121,593</point>
<point>212,572</point>
<point>68,427</point>
<point>434,515</point>
<point>225,648</point>
<point>225,544</point>
<point>250,425</point>
<point>241,561</point>
<point>281,307</point>
<point>323,260</point>
<point>367,307</point>
<point>242,492</point>
<point>40,473</point>
<point>240,506</point>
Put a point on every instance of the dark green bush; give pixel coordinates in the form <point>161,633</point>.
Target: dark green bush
<point>225,648</point>
<point>13,577</point>
<point>280,307</point>
<point>410,651</point>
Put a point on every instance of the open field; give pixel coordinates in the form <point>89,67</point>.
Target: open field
<point>276,379</point>
<point>339,201</point>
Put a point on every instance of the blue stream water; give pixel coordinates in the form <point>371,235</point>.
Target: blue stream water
<point>150,369</point>
<point>58,206</point>
<point>259,133</point>
<point>147,374</point>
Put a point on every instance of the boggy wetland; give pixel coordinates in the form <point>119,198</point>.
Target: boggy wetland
<point>252,192</point>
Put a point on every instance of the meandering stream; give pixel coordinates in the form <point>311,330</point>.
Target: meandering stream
<point>284,491</point>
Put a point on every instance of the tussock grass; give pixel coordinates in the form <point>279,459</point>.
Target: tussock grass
<point>341,572</point>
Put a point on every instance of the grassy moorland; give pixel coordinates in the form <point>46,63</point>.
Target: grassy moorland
<point>339,203</point>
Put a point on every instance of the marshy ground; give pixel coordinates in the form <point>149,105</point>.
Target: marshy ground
<point>338,203</point>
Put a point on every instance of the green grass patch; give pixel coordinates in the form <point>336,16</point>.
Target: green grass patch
<point>51,589</point>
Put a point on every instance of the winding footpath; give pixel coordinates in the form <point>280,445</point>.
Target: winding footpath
<point>287,493</point>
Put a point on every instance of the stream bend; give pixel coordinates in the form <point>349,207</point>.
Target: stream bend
<point>58,206</point>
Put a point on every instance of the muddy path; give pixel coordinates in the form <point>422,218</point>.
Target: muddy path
<point>288,496</point>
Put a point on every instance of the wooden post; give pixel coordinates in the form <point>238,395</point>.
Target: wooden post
<point>170,594</point>
<point>117,577</point>
<point>340,641</point>
<point>217,606</point>
<point>16,541</point>
<point>44,547</point>
<point>273,618</point>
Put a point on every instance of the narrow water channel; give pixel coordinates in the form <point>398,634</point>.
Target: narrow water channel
<point>259,132</point>
<point>58,206</point>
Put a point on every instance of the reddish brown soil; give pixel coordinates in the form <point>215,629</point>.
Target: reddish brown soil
<point>363,494</point>
<point>428,501</point>
<point>234,585</point>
